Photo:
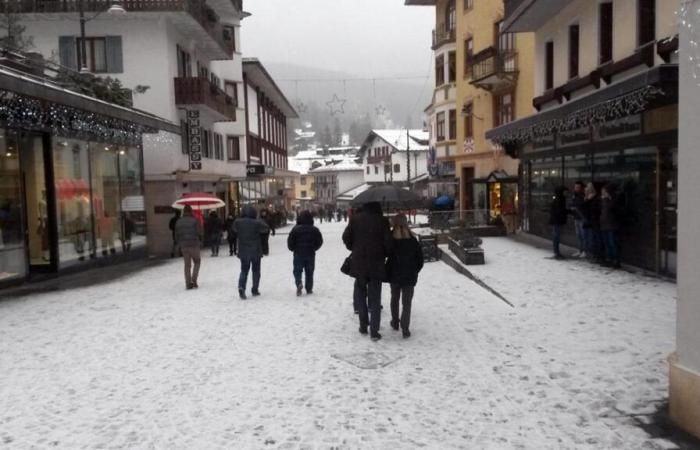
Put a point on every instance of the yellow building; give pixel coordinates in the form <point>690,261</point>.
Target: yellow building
<point>484,78</point>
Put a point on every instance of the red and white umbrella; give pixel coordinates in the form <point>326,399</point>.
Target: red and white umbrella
<point>199,201</point>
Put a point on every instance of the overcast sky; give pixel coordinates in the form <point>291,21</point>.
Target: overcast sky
<point>370,38</point>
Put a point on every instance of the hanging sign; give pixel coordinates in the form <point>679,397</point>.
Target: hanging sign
<point>195,137</point>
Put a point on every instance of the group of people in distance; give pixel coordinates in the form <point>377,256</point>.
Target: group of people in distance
<point>597,214</point>
<point>382,251</point>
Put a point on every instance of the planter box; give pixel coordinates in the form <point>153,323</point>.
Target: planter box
<point>468,256</point>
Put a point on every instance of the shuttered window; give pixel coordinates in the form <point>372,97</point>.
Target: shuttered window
<point>606,32</point>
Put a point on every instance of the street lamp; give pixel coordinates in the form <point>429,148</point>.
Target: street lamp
<point>116,9</point>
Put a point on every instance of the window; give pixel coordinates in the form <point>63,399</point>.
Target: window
<point>453,124</point>
<point>303,181</point>
<point>468,4</point>
<point>387,168</point>
<point>206,146</point>
<point>367,170</point>
<point>440,70</point>
<point>397,168</point>
<point>452,67</point>
<point>549,65</point>
<point>468,55</point>
<point>376,170</point>
<point>451,15</point>
<point>215,81</point>
<point>646,17</point>
<point>184,64</point>
<point>574,36</point>
<point>229,33</point>
<point>96,54</point>
<point>440,126</point>
<point>606,32</point>
<point>468,121</point>
<point>233,144</point>
<point>184,137</point>
<point>218,146</point>
<point>505,42</point>
<point>504,108</point>
<point>303,194</point>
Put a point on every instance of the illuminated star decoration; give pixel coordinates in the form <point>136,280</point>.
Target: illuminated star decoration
<point>380,110</point>
<point>302,108</point>
<point>336,106</point>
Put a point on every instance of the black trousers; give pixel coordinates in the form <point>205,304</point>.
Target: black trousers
<point>368,302</point>
<point>405,295</point>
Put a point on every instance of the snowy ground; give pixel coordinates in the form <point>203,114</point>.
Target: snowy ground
<point>142,363</point>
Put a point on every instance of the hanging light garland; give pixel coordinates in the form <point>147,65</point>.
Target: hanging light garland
<point>688,16</point>
<point>18,111</point>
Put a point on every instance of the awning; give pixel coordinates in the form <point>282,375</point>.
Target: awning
<point>629,97</point>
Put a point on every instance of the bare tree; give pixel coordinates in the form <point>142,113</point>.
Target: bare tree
<point>11,28</point>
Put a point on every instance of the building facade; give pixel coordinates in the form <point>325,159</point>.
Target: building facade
<point>71,175</point>
<point>607,91</point>
<point>491,74</point>
<point>396,156</point>
<point>685,363</point>
<point>192,70</point>
<point>335,179</point>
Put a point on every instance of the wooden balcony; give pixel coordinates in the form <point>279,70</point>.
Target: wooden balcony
<point>443,35</point>
<point>378,159</point>
<point>200,93</point>
<point>495,71</point>
<point>198,10</point>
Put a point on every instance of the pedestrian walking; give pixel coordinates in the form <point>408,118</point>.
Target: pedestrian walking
<point>304,240</point>
<point>250,231</point>
<point>610,225</point>
<point>329,213</point>
<point>171,226</point>
<point>368,237</point>
<point>558,215</point>
<point>188,233</point>
<point>345,214</point>
<point>266,217</point>
<point>231,234</point>
<point>403,266</point>
<point>577,201</point>
<point>215,228</point>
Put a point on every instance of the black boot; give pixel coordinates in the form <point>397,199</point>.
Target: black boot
<point>241,294</point>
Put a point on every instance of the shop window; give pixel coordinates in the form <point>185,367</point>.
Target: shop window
<point>453,124</point>
<point>12,247</point>
<point>605,26</point>
<point>133,210</point>
<point>105,196</point>
<point>574,38</point>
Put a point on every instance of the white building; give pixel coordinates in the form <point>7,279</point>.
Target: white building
<point>334,179</point>
<point>386,155</point>
<point>188,54</point>
<point>685,364</point>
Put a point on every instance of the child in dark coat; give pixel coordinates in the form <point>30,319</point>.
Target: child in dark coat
<point>304,240</point>
<point>405,262</point>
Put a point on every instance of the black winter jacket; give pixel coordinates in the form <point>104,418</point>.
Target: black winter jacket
<point>405,262</point>
<point>305,239</point>
<point>368,237</point>
<point>558,213</point>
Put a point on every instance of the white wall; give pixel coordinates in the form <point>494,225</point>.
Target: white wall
<point>688,339</point>
<point>348,180</point>
<point>253,117</point>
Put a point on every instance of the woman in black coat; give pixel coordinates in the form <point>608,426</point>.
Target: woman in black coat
<point>405,262</point>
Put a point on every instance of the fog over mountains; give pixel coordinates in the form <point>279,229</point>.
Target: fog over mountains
<point>387,103</point>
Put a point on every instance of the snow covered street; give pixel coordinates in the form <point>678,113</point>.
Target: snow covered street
<point>141,363</point>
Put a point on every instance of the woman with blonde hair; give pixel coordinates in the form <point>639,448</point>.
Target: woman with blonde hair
<point>404,264</point>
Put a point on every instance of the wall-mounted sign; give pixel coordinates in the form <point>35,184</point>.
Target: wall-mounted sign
<point>616,129</point>
<point>256,170</point>
<point>195,136</point>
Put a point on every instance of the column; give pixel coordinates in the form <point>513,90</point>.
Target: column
<point>685,363</point>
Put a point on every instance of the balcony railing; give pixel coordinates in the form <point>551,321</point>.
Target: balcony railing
<point>200,91</point>
<point>443,35</point>
<point>378,159</point>
<point>198,9</point>
<point>494,70</point>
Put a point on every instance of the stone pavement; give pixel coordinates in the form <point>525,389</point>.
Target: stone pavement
<point>142,363</point>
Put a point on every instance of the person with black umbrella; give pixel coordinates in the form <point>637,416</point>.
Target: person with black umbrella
<point>368,237</point>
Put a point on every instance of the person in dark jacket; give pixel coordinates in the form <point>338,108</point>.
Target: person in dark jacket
<point>171,226</point>
<point>610,224</point>
<point>368,237</point>
<point>268,218</point>
<point>558,215</point>
<point>591,223</point>
<point>403,266</point>
<point>188,233</point>
<point>231,235</point>
<point>251,232</point>
<point>304,240</point>
<point>215,228</point>
<point>577,200</point>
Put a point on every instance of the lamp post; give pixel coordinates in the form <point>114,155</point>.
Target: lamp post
<point>116,9</point>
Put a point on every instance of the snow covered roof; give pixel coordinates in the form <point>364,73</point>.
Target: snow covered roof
<point>397,139</point>
<point>354,192</point>
<point>342,166</point>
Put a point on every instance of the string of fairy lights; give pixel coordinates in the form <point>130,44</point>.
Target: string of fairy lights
<point>688,16</point>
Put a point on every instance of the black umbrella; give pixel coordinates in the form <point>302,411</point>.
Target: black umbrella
<point>389,196</point>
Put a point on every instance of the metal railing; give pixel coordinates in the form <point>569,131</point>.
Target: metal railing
<point>493,62</point>
<point>443,35</point>
<point>469,218</point>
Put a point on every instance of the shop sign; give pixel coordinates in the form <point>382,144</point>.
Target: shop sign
<point>574,137</point>
<point>256,170</point>
<point>621,128</point>
<point>543,143</point>
<point>195,136</point>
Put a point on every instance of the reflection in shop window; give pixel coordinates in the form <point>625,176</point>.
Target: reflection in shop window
<point>133,211</point>
<point>105,196</point>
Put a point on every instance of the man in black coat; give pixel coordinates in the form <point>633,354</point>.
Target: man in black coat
<point>304,240</point>
<point>368,237</point>
<point>558,214</point>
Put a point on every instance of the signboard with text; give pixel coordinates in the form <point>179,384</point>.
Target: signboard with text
<point>195,136</point>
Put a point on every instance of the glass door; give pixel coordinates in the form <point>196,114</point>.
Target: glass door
<point>37,231</point>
